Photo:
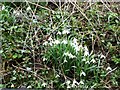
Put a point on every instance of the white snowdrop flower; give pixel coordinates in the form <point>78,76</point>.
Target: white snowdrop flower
<point>56,42</point>
<point>75,83</point>
<point>50,39</point>
<point>68,82</point>
<point>29,87</point>
<point>66,31</point>
<point>93,60</point>
<point>28,8</point>
<point>77,48</point>
<point>66,54</point>
<point>16,12</point>
<point>72,44</point>
<point>68,86</point>
<point>44,59</point>
<point>65,61</point>
<point>102,56</point>
<point>109,68</point>
<point>64,42</point>
<point>28,69</point>
<point>83,59</point>
<point>59,33</point>
<point>75,41</point>
<point>45,43</point>
<point>81,82</point>
<point>71,56</point>
<point>82,73</point>
<point>12,85</point>
<point>74,66</point>
<point>87,62</point>
<point>51,43</point>
<point>57,76</point>
<point>86,51</point>
<point>3,7</point>
<point>44,84</point>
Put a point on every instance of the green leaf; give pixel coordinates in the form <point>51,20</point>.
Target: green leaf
<point>1,86</point>
<point>15,56</point>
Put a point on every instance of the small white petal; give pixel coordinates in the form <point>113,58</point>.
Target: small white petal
<point>28,8</point>
<point>12,85</point>
<point>65,61</point>
<point>93,60</point>
<point>29,87</point>
<point>81,82</point>
<point>28,69</point>
<point>109,68</point>
<point>64,42</point>
<point>102,56</point>
<point>44,59</point>
<point>45,43</point>
<point>3,7</point>
<point>66,31</point>
<point>75,83</point>
<point>56,42</point>
<point>44,84</point>
<point>59,33</point>
<point>82,73</point>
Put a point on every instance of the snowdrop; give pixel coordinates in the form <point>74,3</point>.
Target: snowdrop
<point>69,55</point>
<point>59,33</point>
<point>109,68</point>
<point>93,60</point>
<point>81,82</point>
<point>29,87</point>
<point>57,76</point>
<point>102,56</point>
<point>50,39</point>
<point>28,69</point>
<point>83,59</point>
<point>44,59</point>
<point>86,51</point>
<point>64,42</point>
<point>28,8</point>
<point>65,61</point>
<point>12,86</point>
<point>75,83</point>
<point>87,62</point>
<point>3,7</point>
<point>16,12</point>
<point>44,84</point>
<point>82,73</point>
<point>56,42</point>
<point>45,43</point>
<point>75,41</point>
<point>68,84</point>
<point>66,31</point>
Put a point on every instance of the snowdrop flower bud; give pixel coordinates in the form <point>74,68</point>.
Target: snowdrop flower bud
<point>82,73</point>
<point>28,9</point>
<point>28,69</point>
<point>109,68</point>
<point>81,82</point>
<point>3,7</point>
<point>66,31</point>
<point>64,42</point>
<point>86,52</point>
<point>75,83</point>
<point>56,42</point>
<point>44,84</point>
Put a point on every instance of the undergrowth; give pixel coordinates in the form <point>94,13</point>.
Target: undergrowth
<point>60,45</point>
